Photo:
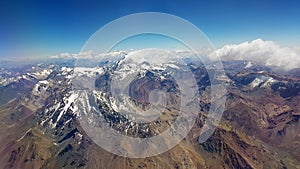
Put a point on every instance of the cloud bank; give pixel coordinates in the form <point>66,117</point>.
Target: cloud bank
<point>87,55</point>
<point>263,52</point>
<point>266,53</point>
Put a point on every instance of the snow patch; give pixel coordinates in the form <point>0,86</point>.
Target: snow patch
<point>248,65</point>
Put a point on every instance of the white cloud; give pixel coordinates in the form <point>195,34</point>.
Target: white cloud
<point>268,53</point>
<point>54,57</point>
<point>86,55</point>
<point>63,56</point>
<point>263,52</point>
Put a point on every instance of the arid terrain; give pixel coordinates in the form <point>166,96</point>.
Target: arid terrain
<point>259,129</point>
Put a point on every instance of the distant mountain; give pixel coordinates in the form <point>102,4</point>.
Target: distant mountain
<point>39,126</point>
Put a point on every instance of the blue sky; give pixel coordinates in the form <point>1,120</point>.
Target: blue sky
<point>40,28</point>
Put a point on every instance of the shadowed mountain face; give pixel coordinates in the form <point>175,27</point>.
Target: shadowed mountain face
<point>140,89</point>
<point>39,125</point>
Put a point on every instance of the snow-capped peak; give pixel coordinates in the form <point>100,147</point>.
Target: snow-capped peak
<point>248,65</point>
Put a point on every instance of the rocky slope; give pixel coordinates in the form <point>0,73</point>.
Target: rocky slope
<point>39,125</point>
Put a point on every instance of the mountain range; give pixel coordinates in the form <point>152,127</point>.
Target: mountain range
<point>40,126</point>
